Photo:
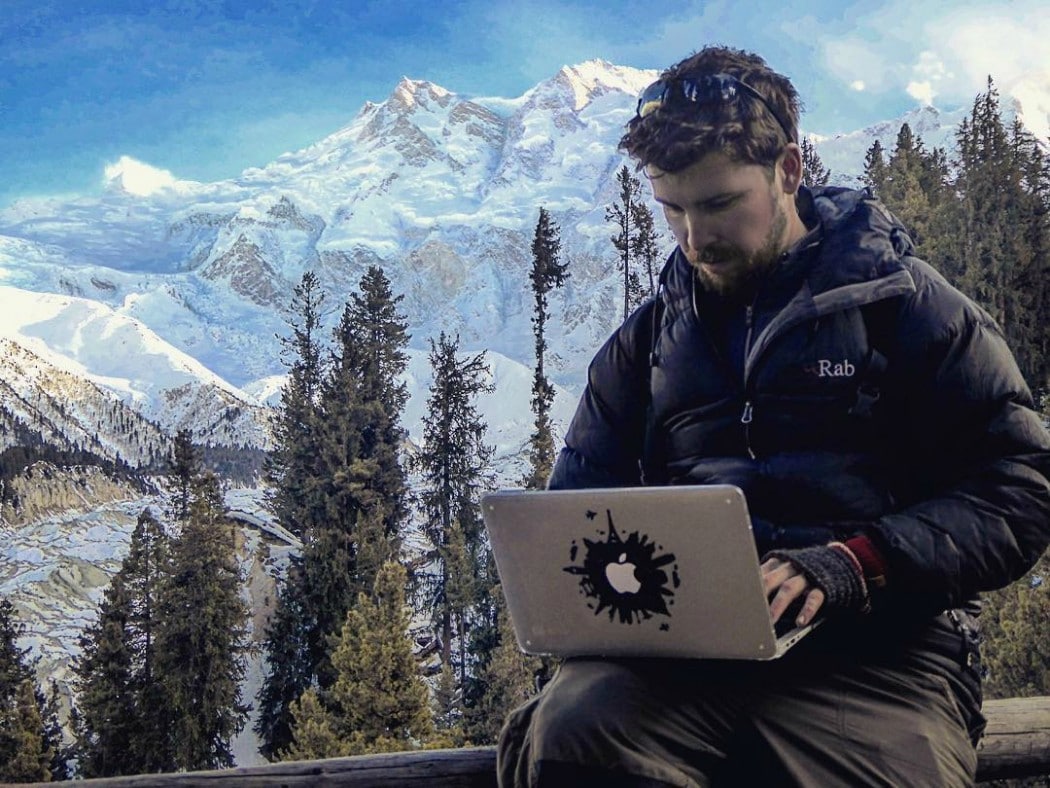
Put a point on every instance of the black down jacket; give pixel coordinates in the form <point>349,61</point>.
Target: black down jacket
<point>870,396</point>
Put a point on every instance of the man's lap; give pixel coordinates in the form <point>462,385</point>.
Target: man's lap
<point>707,723</point>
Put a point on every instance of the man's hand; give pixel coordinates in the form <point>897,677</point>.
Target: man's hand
<point>784,585</point>
<point>809,579</point>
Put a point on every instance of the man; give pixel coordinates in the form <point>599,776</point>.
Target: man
<point>879,427</point>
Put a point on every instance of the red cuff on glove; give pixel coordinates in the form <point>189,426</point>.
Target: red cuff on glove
<point>871,560</point>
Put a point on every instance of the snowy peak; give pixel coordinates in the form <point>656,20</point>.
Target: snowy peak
<point>410,122</point>
<point>418,93</point>
<point>594,78</point>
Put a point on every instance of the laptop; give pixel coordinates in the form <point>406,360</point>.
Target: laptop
<point>638,571</point>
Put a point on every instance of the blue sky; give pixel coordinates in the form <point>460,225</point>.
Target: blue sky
<point>206,88</point>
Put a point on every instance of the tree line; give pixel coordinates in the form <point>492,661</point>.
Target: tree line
<point>982,219</point>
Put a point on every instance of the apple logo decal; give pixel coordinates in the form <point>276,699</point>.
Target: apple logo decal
<point>621,576</point>
<point>624,576</point>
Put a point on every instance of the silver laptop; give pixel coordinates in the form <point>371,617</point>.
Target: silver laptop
<point>640,571</point>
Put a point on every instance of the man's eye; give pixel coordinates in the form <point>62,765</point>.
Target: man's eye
<point>720,205</point>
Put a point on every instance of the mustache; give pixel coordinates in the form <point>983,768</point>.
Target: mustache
<point>716,252</point>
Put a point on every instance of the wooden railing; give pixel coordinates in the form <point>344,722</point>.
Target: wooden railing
<point>1016,744</point>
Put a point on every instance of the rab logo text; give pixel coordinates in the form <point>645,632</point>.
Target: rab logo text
<point>835,369</point>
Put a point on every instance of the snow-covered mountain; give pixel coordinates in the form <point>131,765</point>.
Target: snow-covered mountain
<point>190,281</point>
<point>440,190</point>
<point>156,305</point>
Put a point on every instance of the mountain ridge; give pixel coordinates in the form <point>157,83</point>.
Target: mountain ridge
<point>437,187</point>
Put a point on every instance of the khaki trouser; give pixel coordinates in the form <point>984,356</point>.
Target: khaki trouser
<point>665,722</point>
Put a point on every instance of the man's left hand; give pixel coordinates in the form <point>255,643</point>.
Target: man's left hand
<point>784,585</point>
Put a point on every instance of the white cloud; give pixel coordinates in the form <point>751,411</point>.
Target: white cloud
<point>943,51</point>
<point>922,92</point>
<point>930,72</point>
<point>853,59</point>
<point>136,177</point>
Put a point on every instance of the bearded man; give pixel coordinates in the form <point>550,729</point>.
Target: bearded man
<point>887,445</point>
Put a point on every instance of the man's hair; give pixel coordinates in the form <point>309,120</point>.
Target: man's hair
<point>675,136</point>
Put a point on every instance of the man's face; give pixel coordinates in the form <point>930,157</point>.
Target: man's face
<point>731,220</point>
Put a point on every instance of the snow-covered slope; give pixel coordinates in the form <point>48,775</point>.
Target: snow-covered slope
<point>74,360</point>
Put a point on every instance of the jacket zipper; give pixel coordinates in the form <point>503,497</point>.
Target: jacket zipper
<point>746,416</point>
<point>745,419</point>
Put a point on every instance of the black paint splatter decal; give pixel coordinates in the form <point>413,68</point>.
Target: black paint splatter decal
<point>624,576</point>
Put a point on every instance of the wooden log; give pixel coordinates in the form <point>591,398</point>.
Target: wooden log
<point>1016,744</point>
<point>1017,740</point>
<point>473,767</point>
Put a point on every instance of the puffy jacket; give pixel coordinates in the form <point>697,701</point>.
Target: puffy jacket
<point>873,397</point>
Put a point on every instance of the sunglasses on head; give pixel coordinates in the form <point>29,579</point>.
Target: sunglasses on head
<point>703,89</point>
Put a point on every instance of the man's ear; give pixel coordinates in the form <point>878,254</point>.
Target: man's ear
<point>790,166</point>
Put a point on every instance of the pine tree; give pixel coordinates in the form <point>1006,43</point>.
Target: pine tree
<point>454,464</point>
<point>355,497</point>
<point>903,190</point>
<point>122,716</point>
<point>379,701</point>
<point>360,472</point>
<point>23,727</point>
<point>360,475</point>
<point>289,665</point>
<point>202,638</point>
<point>380,690</point>
<point>508,678</point>
<point>814,173</point>
<point>290,468</point>
<point>314,731</point>
<point>24,731</point>
<point>144,570</point>
<point>366,391</point>
<point>1002,228</point>
<point>1036,277</point>
<point>375,546</point>
<point>548,272</point>
<point>646,245</point>
<point>875,174</point>
<point>1016,651</point>
<point>53,736</point>
<point>622,214</point>
<point>107,712</point>
<point>185,467</point>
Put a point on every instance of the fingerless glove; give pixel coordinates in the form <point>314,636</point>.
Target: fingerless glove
<point>834,570</point>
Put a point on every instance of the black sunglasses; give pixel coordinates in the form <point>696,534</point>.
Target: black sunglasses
<point>704,89</point>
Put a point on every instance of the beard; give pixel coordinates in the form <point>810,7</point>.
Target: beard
<point>738,272</point>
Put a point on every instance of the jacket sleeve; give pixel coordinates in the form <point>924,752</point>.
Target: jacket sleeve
<point>976,452</point>
<point>603,446</point>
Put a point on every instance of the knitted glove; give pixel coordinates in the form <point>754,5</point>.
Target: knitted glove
<point>834,570</point>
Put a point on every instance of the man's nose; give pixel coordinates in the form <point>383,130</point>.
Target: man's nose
<point>697,233</point>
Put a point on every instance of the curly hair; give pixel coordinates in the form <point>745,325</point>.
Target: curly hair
<point>672,137</point>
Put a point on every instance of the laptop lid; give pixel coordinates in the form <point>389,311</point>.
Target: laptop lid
<point>639,571</point>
